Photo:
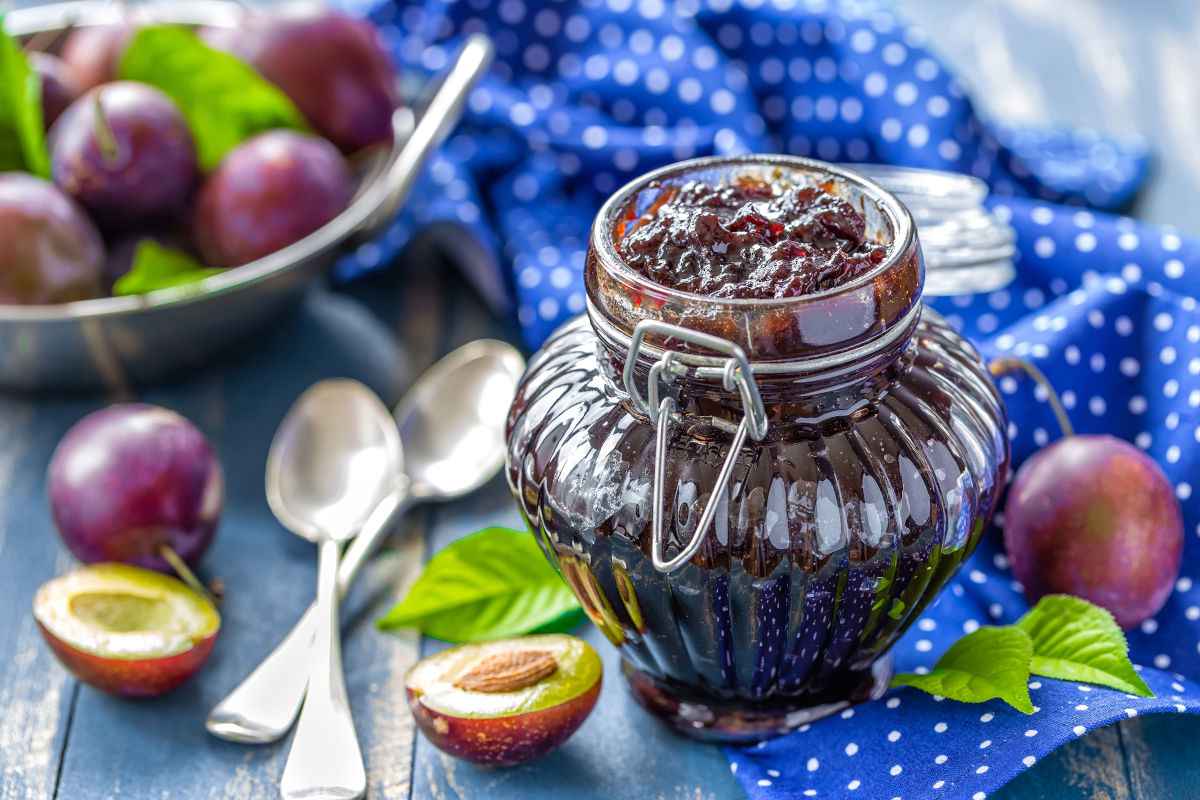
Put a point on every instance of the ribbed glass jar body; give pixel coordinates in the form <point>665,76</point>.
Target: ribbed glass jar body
<point>884,456</point>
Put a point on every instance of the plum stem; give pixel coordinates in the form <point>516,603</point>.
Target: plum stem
<point>1002,366</point>
<point>110,150</point>
<point>184,571</point>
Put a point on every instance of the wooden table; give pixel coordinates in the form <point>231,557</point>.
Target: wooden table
<point>1114,65</point>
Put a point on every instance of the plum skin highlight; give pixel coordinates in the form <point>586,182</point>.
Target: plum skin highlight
<point>1095,517</point>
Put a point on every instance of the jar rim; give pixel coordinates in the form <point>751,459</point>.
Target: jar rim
<point>899,219</point>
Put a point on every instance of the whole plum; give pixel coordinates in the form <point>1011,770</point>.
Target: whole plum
<point>268,193</point>
<point>124,151</point>
<point>51,252</point>
<point>130,479</point>
<point>94,52</point>
<point>333,66</point>
<point>59,87</point>
<point>1095,517</point>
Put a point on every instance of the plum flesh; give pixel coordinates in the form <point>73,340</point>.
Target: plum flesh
<point>126,630</point>
<point>131,479</point>
<point>51,251</point>
<point>1095,517</point>
<point>505,702</point>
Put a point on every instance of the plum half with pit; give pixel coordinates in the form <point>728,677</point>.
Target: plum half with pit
<point>51,252</point>
<point>126,630</point>
<point>1095,517</point>
<point>505,702</point>
<point>59,87</point>
<point>268,193</point>
<point>125,152</point>
<point>137,484</point>
<point>333,67</point>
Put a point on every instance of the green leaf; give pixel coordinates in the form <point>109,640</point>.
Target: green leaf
<point>224,100</point>
<point>1074,640</point>
<point>157,267</point>
<point>491,584</point>
<point>22,138</point>
<point>989,663</point>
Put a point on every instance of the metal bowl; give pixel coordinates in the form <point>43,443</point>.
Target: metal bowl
<point>119,341</point>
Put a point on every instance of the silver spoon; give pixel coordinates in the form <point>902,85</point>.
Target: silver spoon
<point>452,426</point>
<point>335,455</point>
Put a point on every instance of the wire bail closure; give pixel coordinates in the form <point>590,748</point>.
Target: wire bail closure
<point>734,372</point>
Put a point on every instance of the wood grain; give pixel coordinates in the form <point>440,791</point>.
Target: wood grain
<point>1091,768</point>
<point>1161,754</point>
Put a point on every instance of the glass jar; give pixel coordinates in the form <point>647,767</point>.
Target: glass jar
<point>753,499</point>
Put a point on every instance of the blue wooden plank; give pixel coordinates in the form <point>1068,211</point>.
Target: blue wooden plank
<point>1089,768</point>
<point>1160,755</point>
<point>35,696</point>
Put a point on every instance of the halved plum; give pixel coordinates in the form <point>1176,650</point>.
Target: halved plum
<point>505,702</point>
<point>126,630</point>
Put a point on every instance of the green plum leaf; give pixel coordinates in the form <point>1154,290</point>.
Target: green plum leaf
<point>986,664</point>
<point>489,585</point>
<point>22,136</point>
<point>1074,640</point>
<point>224,100</point>
<point>157,267</point>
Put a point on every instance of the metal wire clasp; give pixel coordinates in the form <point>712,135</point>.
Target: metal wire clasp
<point>735,373</point>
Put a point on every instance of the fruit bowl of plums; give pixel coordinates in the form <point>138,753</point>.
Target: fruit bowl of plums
<point>173,174</point>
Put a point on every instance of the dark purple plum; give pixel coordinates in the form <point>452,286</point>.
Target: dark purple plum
<point>130,479</point>
<point>333,66</point>
<point>131,164</point>
<point>59,86</point>
<point>51,252</point>
<point>94,53</point>
<point>1095,517</point>
<point>268,193</point>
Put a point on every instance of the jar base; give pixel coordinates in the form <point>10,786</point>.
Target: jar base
<point>713,719</point>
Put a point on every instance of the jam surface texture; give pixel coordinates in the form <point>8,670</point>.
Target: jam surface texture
<point>747,238</point>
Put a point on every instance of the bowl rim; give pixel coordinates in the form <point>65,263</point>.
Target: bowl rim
<point>370,195</point>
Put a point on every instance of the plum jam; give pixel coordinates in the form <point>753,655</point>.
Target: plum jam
<point>755,488</point>
<point>750,238</point>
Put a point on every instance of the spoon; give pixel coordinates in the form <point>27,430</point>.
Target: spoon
<point>334,457</point>
<point>452,426</point>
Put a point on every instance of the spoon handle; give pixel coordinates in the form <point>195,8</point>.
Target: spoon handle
<point>325,762</point>
<point>265,704</point>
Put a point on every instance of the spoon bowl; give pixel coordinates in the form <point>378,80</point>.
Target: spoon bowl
<point>452,421</point>
<point>336,455</point>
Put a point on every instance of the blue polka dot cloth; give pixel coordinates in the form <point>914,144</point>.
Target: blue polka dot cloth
<point>585,96</point>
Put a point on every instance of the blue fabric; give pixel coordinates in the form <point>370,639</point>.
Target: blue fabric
<point>585,96</point>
